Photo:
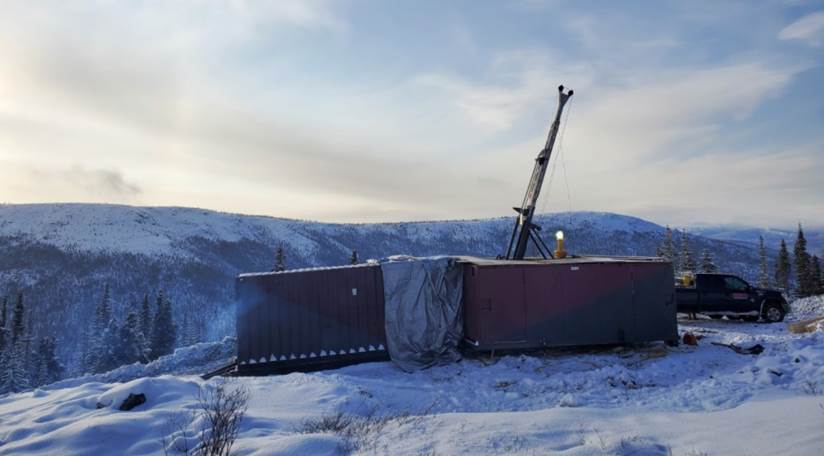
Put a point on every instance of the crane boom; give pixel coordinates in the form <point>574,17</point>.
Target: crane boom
<point>524,228</point>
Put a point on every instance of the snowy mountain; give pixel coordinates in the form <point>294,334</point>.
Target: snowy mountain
<point>772,236</point>
<point>60,256</point>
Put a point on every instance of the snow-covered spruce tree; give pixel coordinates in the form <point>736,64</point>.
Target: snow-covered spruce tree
<point>96,343</point>
<point>190,333</point>
<point>130,346</point>
<point>18,329</point>
<point>146,322</point>
<point>280,259</point>
<point>3,325</point>
<point>47,368</point>
<point>666,249</point>
<point>13,370</point>
<point>105,358</point>
<point>686,264</point>
<point>164,332</point>
<point>783,268</point>
<point>803,278</point>
<point>707,264</point>
<point>763,271</point>
<point>354,258</point>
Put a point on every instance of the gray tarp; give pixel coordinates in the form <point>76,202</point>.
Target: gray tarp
<point>424,319</point>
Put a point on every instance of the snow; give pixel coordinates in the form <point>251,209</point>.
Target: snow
<point>652,399</point>
<point>155,231</point>
<point>139,230</point>
<point>807,308</point>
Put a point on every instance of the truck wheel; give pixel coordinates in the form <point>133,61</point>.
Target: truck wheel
<point>773,313</point>
<point>716,317</point>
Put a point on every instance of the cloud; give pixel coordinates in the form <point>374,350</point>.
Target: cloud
<point>75,183</point>
<point>809,29</point>
<point>242,106</point>
<point>518,82</point>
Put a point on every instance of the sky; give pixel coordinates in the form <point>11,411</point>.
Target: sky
<point>361,111</point>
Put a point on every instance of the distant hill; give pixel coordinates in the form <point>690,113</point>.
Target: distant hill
<point>772,236</point>
<point>61,255</point>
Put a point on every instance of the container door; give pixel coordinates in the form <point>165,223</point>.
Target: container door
<point>503,307</point>
<point>596,305</point>
<point>655,317</point>
<point>546,310</point>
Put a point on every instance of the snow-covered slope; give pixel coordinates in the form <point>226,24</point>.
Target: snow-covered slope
<point>61,256</point>
<point>102,228</point>
<point>772,236</point>
<point>652,400</point>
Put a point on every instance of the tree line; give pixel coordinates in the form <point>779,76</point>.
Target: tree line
<point>682,257</point>
<point>800,275</point>
<point>142,334</point>
<point>24,362</point>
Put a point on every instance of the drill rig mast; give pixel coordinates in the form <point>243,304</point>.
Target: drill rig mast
<point>524,228</point>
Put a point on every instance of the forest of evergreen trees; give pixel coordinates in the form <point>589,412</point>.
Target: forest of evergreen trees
<point>110,340</point>
<point>801,277</point>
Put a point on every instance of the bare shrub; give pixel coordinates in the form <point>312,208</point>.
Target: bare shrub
<point>358,432</point>
<point>220,412</point>
<point>335,424</point>
<point>811,387</point>
<point>175,435</point>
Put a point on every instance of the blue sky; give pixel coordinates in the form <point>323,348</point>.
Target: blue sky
<point>685,112</point>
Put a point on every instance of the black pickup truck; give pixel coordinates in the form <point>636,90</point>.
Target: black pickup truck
<point>719,295</point>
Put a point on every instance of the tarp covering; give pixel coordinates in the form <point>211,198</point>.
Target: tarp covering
<point>424,319</point>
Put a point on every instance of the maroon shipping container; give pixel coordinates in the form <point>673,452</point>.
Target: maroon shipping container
<point>298,319</point>
<point>577,301</point>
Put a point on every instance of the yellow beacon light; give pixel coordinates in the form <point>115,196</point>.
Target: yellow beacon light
<point>560,252</point>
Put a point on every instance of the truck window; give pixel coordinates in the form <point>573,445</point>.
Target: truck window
<point>735,284</point>
<point>711,283</point>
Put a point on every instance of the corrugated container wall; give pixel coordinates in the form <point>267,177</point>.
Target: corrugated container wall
<point>312,316</point>
<point>564,303</point>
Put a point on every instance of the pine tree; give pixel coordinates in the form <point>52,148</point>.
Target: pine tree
<point>280,260</point>
<point>97,356</point>
<point>146,316</point>
<point>13,370</point>
<point>783,268</point>
<point>686,264</point>
<point>763,271</point>
<point>130,346</point>
<point>18,329</point>
<point>666,249</point>
<point>817,281</point>
<point>802,265</point>
<point>146,322</point>
<point>354,258</point>
<point>164,332</point>
<point>189,330</point>
<point>707,264</point>
<point>47,368</point>
<point>3,325</point>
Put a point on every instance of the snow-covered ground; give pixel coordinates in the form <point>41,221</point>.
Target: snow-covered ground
<point>689,400</point>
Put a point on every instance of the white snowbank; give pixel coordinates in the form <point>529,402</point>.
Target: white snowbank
<point>807,308</point>
<point>195,359</point>
<point>650,400</point>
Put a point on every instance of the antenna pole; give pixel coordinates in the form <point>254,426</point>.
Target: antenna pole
<point>524,228</point>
